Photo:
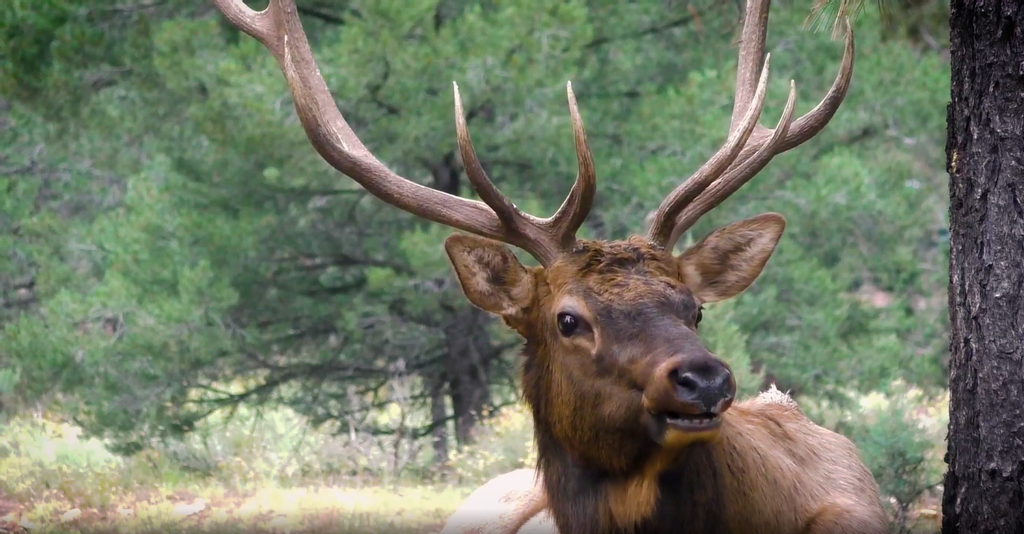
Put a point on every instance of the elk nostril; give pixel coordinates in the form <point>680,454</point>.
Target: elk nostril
<point>705,390</point>
<point>686,380</point>
<point>688,383</point>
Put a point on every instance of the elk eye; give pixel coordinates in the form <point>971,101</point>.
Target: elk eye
<point>700,315</point>
<point>567,323</point>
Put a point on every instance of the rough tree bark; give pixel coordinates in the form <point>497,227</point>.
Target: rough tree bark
<point>984,483</point>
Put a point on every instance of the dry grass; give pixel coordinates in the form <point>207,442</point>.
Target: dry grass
<point>212,510</point>
<point>417,510</point>
<point>52,481</point>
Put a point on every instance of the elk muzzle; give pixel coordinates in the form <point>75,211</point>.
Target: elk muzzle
<point>689,394</point>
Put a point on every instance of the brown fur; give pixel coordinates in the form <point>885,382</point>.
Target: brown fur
<point>610,463</point>
<point>780,473</point>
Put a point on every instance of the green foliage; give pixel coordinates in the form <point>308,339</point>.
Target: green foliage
<point>61,51</point>
<point>900,438</point>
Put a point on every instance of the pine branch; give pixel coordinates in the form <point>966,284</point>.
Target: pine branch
<point>831,13</point>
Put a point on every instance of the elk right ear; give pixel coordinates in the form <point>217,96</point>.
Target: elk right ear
<point>490,274</point>
<point>728,260</point>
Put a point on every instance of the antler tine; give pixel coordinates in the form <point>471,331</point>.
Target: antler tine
<point>279,29</point>
<point>808,124</point>
<point>665,216</point>
<point>574,210</point>
<point>544,238</point>
<point>812,122</point>
<point>769,143</point>
<point>751,50</point>
<point>507,212</point>
<point>736,177</point>
<point>763,144</point>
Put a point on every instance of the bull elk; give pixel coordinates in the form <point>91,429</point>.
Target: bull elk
<point>636,428</point>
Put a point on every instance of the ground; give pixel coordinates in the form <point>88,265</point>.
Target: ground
<point>292,511</point>
<point>414,510</point>
<point>52,480</point>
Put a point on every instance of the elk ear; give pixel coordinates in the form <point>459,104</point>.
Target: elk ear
<point>728,260</point>
<point>490,274</point>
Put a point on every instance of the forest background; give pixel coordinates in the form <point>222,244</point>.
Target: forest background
<point>200,319</point>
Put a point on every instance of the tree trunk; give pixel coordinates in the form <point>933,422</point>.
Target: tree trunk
<point>468,369</point>
<point>469,356</point>
<point>984,483</point>
<point>438,417</point>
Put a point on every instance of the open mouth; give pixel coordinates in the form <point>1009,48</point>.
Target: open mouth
<point>691,423</point>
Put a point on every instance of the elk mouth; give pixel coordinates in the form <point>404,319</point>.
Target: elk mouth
<point>690,423</point>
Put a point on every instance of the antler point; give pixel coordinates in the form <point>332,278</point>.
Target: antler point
<point>457,95</point>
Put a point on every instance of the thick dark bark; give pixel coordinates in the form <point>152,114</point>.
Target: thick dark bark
<point>984,484</point>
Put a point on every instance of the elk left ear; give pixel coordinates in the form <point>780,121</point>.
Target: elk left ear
<point>728,260</point>
<point>490,274</point>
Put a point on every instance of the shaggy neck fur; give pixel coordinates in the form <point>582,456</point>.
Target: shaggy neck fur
<point>624,484</point>
<point>684,495</point>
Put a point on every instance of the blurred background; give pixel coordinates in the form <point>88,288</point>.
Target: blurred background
<point>202,320</point>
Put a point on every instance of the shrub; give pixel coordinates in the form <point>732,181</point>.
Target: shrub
<point>504,444</point>
<point>43,459</point>
<point>900,434</point>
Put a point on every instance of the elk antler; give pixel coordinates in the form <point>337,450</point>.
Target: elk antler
<point>279,29</point>
<point>749,146</point>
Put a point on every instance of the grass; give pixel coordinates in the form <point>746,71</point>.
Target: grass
<point>53,481</point>
<point>420,509</point>
<point>252,473</point>
<point>258,474</point>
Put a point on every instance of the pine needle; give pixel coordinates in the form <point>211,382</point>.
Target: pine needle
<point>831,13</point>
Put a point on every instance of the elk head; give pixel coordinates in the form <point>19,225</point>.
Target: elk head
<point>614,368</point>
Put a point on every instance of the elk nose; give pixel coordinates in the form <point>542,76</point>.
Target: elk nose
<point>709,389</point>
